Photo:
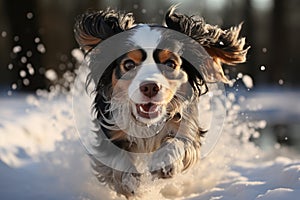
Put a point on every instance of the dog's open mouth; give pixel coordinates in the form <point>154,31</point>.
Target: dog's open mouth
<point>149,110</point>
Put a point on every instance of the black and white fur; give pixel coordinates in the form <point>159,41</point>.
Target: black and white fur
<point>164,122</point>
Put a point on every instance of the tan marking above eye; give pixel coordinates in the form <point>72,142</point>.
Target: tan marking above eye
<point>166,55</point>
<point>136,56</point>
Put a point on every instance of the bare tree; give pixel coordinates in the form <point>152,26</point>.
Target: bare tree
<point>278,40</point>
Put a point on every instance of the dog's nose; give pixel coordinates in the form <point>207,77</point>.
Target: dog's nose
<point>149,89</point>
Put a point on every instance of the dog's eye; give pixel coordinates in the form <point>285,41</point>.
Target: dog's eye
<point>129,65</point>
<point>171,64</point>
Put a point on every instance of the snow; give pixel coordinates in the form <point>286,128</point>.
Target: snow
<point>274,105</point>
<point>22,73</point>
<point>17,49</point>
<point>78,55</point>
<point>247,80</point>
<point>51,75</point>
<point>37,40</point>
<point>41,157</point>
<point>281,82</point>
<point>30,69</point>
<point>30,132</point>
<point>264,50</point>
<point>277,179</point>
<point>4,34</point>
<point>14,86</point>
<point>29,15</point>
<point>10,66</point>
<point>41,48</point>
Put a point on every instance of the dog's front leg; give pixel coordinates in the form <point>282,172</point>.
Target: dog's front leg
<point>174,156</point>
<point>126,183</point>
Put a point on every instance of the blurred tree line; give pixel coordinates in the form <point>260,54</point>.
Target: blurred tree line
<point>37,35</point>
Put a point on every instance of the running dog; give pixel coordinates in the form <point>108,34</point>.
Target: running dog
<point>147,99</point>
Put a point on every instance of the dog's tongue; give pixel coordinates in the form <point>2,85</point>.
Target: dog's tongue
<point>149,107</point>
<point>148,110</point>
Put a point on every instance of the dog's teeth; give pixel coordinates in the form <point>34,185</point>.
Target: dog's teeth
<point>157,108</point>
<point>142,109</point>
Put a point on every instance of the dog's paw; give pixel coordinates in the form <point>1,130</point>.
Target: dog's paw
<point>168,171</point>
<point>129,184</point>
<point>167,161</point>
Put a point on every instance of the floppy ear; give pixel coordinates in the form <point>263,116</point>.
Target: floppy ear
<point>224,46</point>
<point>94,26</point>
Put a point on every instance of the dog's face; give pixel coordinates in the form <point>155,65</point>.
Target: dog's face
<point>148,85</point>
<point>149,80</point>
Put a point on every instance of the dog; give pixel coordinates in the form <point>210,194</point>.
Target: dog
<point>146,101</point>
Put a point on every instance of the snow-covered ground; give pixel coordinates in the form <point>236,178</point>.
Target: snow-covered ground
<point>41,156</point>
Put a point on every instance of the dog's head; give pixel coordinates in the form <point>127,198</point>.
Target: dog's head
<point>149,80</point>
<point>153,81</point>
